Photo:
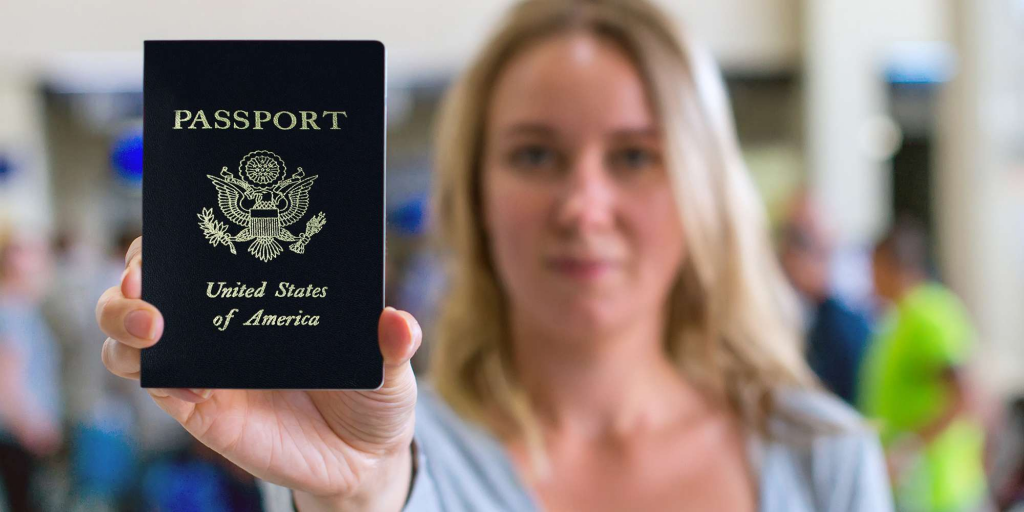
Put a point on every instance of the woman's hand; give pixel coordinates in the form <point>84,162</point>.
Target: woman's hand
<point>332,447</point>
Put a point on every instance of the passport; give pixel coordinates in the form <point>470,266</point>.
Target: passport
<point>263,213</point>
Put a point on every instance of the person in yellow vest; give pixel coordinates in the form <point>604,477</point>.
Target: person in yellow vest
<point>913,384</point>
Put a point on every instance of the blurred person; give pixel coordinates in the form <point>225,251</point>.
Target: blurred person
<point>914,383</point>
<point>77,274</point>
<point>1008,468</point>
<point>30,404</point>
<point>101,420</point>
<point>837,334</point>
<point>617,334</point>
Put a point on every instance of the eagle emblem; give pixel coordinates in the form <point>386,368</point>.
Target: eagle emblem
<point>263,199</point>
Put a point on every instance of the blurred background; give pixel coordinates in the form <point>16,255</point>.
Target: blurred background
<point>852,115</point>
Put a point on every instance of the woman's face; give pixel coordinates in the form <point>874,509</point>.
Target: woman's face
<point>578,206</point>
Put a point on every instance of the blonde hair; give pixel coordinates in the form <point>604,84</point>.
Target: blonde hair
<point>733,322</point>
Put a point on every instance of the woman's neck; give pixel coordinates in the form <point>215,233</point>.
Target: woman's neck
<point>615,385</point>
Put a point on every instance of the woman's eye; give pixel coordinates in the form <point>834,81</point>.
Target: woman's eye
<point>633,159</point>
<point>533,157</point>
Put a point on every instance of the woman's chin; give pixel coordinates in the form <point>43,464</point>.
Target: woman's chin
<point>588,319</point>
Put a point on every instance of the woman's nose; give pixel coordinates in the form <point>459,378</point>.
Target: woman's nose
<point>587,197</point>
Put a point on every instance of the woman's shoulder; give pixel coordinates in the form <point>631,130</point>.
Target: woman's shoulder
<point>819,422</point>
<point>818,447</point>
<point>436,419</point>
<point>813,407</point>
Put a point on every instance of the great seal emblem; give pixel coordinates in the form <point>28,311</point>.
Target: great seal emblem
<point>262,199</point>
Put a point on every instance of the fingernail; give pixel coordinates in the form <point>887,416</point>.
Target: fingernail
<point>413,325</point>
<point>205,393</point>
<point>140,324</point>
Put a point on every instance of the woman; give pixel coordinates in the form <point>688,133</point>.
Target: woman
<point>616,336</point>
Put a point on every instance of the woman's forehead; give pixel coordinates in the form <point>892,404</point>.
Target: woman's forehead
<point>571,82</point>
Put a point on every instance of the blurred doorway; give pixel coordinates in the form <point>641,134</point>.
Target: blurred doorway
<point>914,78</point>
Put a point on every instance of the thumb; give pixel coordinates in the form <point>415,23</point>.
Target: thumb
<point>381,419</point>
<point>400,337</point>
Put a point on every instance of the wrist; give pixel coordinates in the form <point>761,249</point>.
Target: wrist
<point>387,493</point>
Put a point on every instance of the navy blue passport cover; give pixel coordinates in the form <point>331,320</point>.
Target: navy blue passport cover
<point>263,213</point>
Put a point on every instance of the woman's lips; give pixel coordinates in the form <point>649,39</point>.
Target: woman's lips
<point>581,268</point>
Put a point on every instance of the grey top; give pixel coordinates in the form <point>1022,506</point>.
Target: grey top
<point>463,468</point>
<point>23,329</point>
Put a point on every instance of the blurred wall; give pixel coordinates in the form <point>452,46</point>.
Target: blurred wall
<point>25,196</point>
<point>981,180</point>
<point>845,53</point>
<point>422,37</point>
<point>96,46</point>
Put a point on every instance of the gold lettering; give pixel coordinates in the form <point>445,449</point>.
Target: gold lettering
<point>179,118</point>
<point>256,119</point>
<point>260,318</point>
<point>200,117</point>
<point>308,118</point>
<point>239,290</point>
<point>334,117</point>
<point>278,115</point>
<point>209,289</point>
<point>286,289</point>
<point>260,119</point>
<point>221,116</point>
<point>241,116</point>
<point>254,319</point>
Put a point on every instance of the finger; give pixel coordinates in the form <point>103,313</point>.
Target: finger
<point>416,331</point>
<point>194,396</point>
<point>130,321</point>
<point>111,293</point>
<point>134,250</point>
<point>122,360</point>
<point>400,336</point>
<point>177,408</point>
<point>131,279</point>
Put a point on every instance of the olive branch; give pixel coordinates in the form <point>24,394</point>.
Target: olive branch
<point>216,232</point>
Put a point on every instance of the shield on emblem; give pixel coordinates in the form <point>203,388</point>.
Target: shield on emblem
<point>264,222</point>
